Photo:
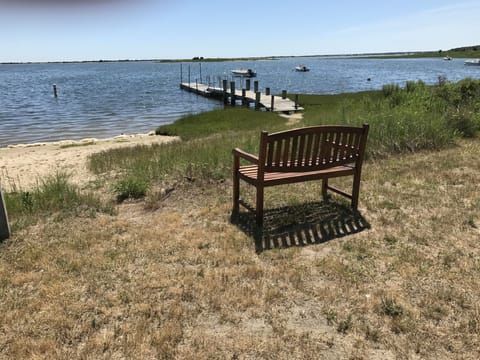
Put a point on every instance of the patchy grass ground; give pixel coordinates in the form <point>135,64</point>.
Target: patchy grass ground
<point>172,278</point>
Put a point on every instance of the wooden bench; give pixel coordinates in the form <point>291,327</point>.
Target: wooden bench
<point>298,155</point>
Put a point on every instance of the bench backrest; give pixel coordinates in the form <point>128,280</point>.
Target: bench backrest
<point>312,148</point>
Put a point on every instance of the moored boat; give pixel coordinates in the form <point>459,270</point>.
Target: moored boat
<point>474,62</point>
<point>244,72</point>
<point>301,68</point>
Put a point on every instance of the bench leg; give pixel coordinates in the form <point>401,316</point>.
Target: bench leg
<point>259,205</point>
<point>236,186</point>
<point>355,190</point>
<point>236,193</point>
<point>324,189</point>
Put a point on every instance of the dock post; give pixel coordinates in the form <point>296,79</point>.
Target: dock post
<point>244,97</point>
<point>247,84</point>
<point>188,74</point>
<point>232,93</point>
<point>257,100</point>
<point>296,101</point>
<point>284,94</point>
<point>272,103</point>
<point>267,91</point>
<point>255,86</point>
<point>224,83</point>
<point>181,73</point>
<point>55,90</point>
<point>4,227</point>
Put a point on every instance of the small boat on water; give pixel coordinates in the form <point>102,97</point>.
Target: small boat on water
<point>244,72</point>
<point>447,58</point>
<point>474,62</point>
<point>301,68</point>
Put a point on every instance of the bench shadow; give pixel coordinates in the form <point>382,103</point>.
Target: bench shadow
<point>301,225</point>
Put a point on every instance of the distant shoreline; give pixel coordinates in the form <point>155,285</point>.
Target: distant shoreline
<point>463,52</point>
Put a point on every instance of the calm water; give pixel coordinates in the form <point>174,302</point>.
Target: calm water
<point>107,99</point>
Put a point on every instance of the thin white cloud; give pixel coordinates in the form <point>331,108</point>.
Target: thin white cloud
<point>453,7</point>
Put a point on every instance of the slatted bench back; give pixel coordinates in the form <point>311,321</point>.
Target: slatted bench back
<point>312,148</point>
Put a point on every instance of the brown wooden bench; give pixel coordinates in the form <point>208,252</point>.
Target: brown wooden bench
<point>298,155</point>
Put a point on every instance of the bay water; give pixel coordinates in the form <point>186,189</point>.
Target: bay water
<point>105,99</point>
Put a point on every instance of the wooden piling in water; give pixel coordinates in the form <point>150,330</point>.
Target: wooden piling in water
<point>224,84</point>
<point>272,103</point>
<point>255,86</point>
<point>257,100</point>
<point>232,93</point>
<point>55,90</point>
<point>247,84</point>
<point>267,91</point>
<point>284,94</point>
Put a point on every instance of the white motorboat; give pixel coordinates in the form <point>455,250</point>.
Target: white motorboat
<point>475,62</point>
<point>301,68</point>
<point>244,72</point>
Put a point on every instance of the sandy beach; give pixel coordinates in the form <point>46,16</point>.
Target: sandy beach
<point>22,165</point>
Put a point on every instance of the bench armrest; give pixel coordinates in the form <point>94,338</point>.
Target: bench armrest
<point>238,153</point>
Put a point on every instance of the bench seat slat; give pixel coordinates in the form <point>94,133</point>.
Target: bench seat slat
<point>250,174</point>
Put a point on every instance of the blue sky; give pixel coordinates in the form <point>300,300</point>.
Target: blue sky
<point>50,30</point>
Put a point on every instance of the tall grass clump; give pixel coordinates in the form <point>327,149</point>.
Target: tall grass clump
<point>130,187</point>
<point>461,106</point>
<point>393,93</point>
<point>407,119</point>
<point>52,195</point>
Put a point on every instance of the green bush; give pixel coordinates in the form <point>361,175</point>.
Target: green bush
<point>464,123</point>
<point>130,187</point>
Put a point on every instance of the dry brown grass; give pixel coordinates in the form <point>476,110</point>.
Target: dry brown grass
<point>173,278</point>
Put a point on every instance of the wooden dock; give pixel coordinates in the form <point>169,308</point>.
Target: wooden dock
<point>245,97</point>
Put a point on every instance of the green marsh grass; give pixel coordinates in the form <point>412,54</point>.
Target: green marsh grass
<point>203,153</point>
<point>218,121</point>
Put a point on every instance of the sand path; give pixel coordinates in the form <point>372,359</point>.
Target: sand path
<point>21,166</point>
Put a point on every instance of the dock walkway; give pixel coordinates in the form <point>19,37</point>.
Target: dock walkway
<point>280,104</point>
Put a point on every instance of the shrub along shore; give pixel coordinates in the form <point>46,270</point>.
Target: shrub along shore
<point>145,263</point>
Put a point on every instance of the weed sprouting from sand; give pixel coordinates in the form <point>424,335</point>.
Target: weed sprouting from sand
<point>391,308</point>
<point>130,187</point>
